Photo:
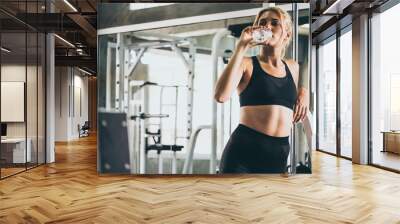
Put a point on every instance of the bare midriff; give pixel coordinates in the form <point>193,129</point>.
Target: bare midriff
<point>272,120</point>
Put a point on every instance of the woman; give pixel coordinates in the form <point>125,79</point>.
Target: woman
<point>269,100</point>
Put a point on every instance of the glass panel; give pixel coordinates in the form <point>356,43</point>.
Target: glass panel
<point>13,87</point>
<point>327,97</point>
<point>42,91</point>
<point>31,98</point>
<point>345,94</point>
<point>32,88</point>
<point>385,84</point>
<point>22,79</point>
<point>41,99</point>
<point>107,71</point>
<point>303,136</point>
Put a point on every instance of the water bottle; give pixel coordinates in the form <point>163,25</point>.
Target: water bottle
<point>261,35</point>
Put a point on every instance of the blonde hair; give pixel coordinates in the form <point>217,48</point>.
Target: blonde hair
<point>285,17</point>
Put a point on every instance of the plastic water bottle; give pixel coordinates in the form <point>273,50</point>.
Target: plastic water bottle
<point>261,35</point>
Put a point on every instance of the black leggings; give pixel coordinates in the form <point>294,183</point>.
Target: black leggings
<point>250,151</point>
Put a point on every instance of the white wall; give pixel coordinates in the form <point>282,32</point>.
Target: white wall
<point>80,94</point>
<point>71,102</point>
<point>61,103</point>
<point>16,73</point>
<point>13,73</point>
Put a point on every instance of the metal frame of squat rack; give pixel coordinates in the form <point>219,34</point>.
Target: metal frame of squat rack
<point>124,72</point>
<point>188,166</point>
<point>142,116</point>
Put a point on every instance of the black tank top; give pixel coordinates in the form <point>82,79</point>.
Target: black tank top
<point>265,89</point>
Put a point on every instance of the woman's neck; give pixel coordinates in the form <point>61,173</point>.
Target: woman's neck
<point>270,55</point>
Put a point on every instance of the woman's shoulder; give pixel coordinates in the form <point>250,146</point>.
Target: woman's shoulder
<point>247,59</point>
<point>247,62</point>
<point>292,63</point>
<point>293,66</point>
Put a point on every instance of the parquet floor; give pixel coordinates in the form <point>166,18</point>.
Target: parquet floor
<point>9,171</point>
<point>387,159</point>
<point>70,191</point>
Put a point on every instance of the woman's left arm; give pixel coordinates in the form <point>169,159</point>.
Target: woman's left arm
<point>302,104</point>
<point>302,101</point>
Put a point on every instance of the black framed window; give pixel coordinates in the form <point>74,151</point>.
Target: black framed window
<point>334,94</point>
<point>326,100</point>
<point>345,82</point>
<point>384,83</point>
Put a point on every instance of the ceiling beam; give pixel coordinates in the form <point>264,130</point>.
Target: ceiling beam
<point>80,20</point>
<point>84,24</point>
<point>83,61</point>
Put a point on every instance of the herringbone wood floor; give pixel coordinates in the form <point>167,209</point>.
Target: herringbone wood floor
<point>70,191</point>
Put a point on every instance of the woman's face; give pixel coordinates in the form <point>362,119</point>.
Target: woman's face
<point>272,21</point>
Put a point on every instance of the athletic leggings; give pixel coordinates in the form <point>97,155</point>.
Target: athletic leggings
<point>250,151</point>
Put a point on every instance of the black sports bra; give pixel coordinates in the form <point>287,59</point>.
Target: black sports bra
<point>265,89</point>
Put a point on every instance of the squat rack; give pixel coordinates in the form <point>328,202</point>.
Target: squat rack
<point>127,58</point>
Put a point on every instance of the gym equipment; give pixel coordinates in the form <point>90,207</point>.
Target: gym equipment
<point>188,166</point>
<point>156,145</point>
<point>113,153</point>
<point>83,130</point>
<point>122,92</point>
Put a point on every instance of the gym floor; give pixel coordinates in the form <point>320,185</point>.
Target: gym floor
<point>71,191</point>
